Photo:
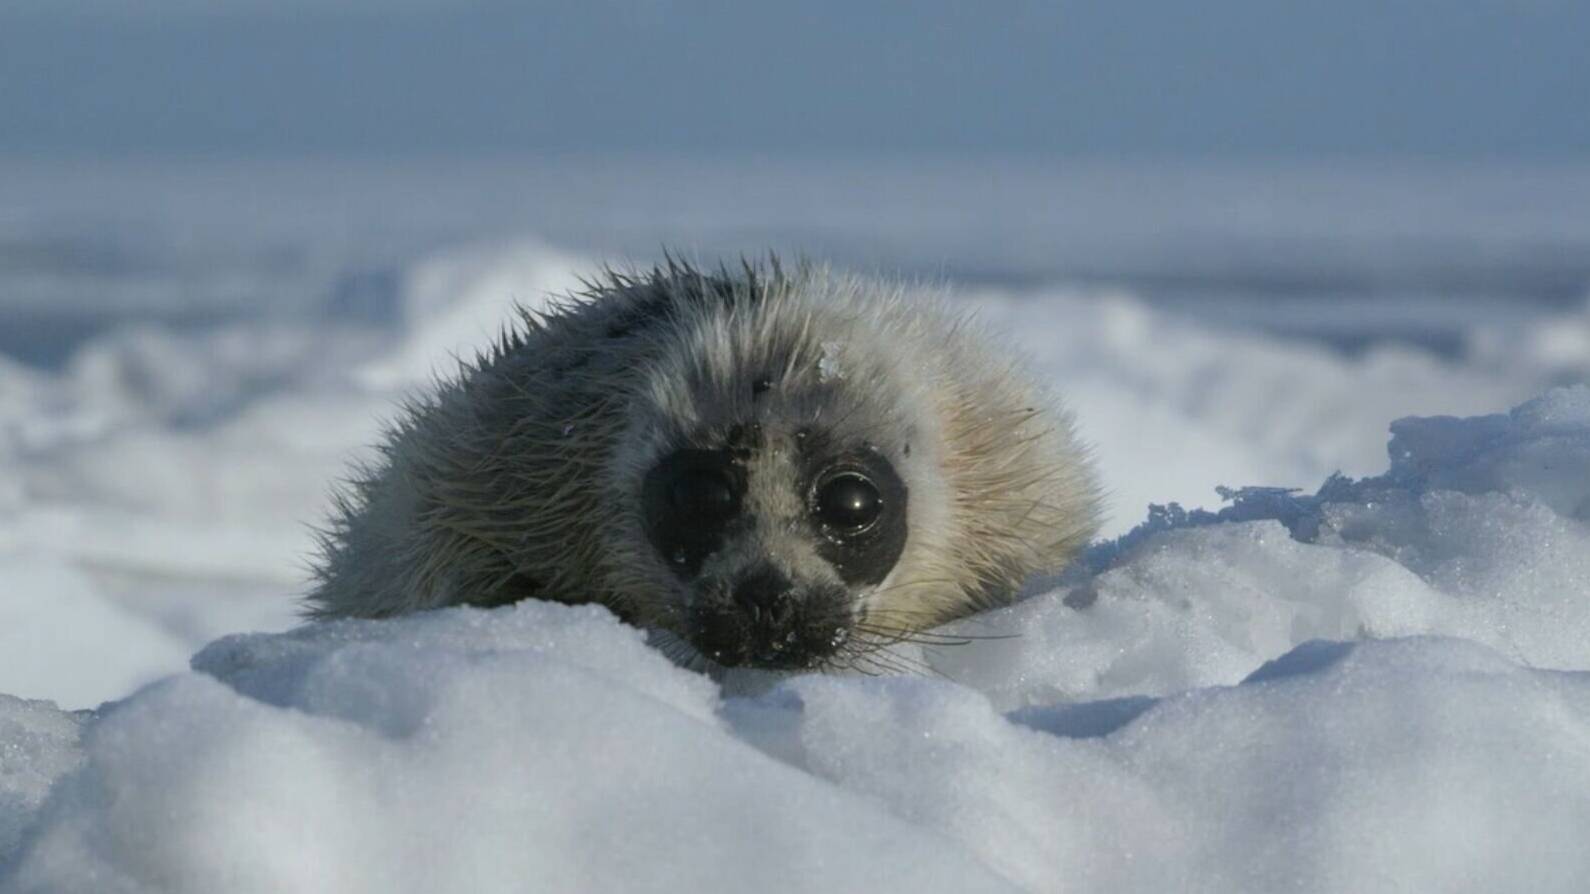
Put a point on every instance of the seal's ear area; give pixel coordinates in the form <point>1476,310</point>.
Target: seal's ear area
<point>891,462</point>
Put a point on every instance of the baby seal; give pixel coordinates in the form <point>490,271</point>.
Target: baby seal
<point>781,469</point>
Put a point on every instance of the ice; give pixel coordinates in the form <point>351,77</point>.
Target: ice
<point>38,745</point>
<point>1538,449</point>
<point>828,365</point>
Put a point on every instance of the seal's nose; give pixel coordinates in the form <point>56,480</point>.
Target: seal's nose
<point>764,595</point>
<point>768,622</point>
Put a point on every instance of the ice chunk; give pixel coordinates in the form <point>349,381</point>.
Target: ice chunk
<point>1541,448</point>
<point>829,367</point>
<point>38,745</point>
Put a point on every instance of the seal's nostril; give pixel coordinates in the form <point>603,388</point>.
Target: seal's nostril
<point>764,592</point>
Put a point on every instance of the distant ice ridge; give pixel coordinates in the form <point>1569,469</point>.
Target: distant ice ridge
<point>1379,685</point>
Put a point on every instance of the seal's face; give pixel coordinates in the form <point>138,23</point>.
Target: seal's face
<point>775,536</point>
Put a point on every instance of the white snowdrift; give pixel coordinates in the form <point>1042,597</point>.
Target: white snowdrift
<point>1333,692</point>
<point>1480,530</point>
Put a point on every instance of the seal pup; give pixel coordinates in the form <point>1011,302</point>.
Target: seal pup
<point>787,469</point>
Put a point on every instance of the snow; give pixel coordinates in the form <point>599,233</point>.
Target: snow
<point>465,750</point>
<point>549,744</point>
<point>1326,682</point>
<point>1477,533</point>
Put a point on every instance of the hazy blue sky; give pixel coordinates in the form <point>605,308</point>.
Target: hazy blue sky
<point>1464,78</point>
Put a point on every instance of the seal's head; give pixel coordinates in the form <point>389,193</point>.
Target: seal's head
<point>776,526</point>
<point>811,477</point>
<point>774,542</point>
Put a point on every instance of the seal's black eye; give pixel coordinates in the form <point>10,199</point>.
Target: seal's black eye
<point>848,502</point>
<point>703,496</point>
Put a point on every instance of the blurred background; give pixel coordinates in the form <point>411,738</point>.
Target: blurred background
<point>1240,237</point>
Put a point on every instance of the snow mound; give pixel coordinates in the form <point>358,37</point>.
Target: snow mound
<point>1340,691</point>
<point>459,751</point>
<point>1477,531</point>
<point>548,746</point>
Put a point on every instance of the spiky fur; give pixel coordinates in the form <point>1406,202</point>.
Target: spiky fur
<point>520,477</point>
